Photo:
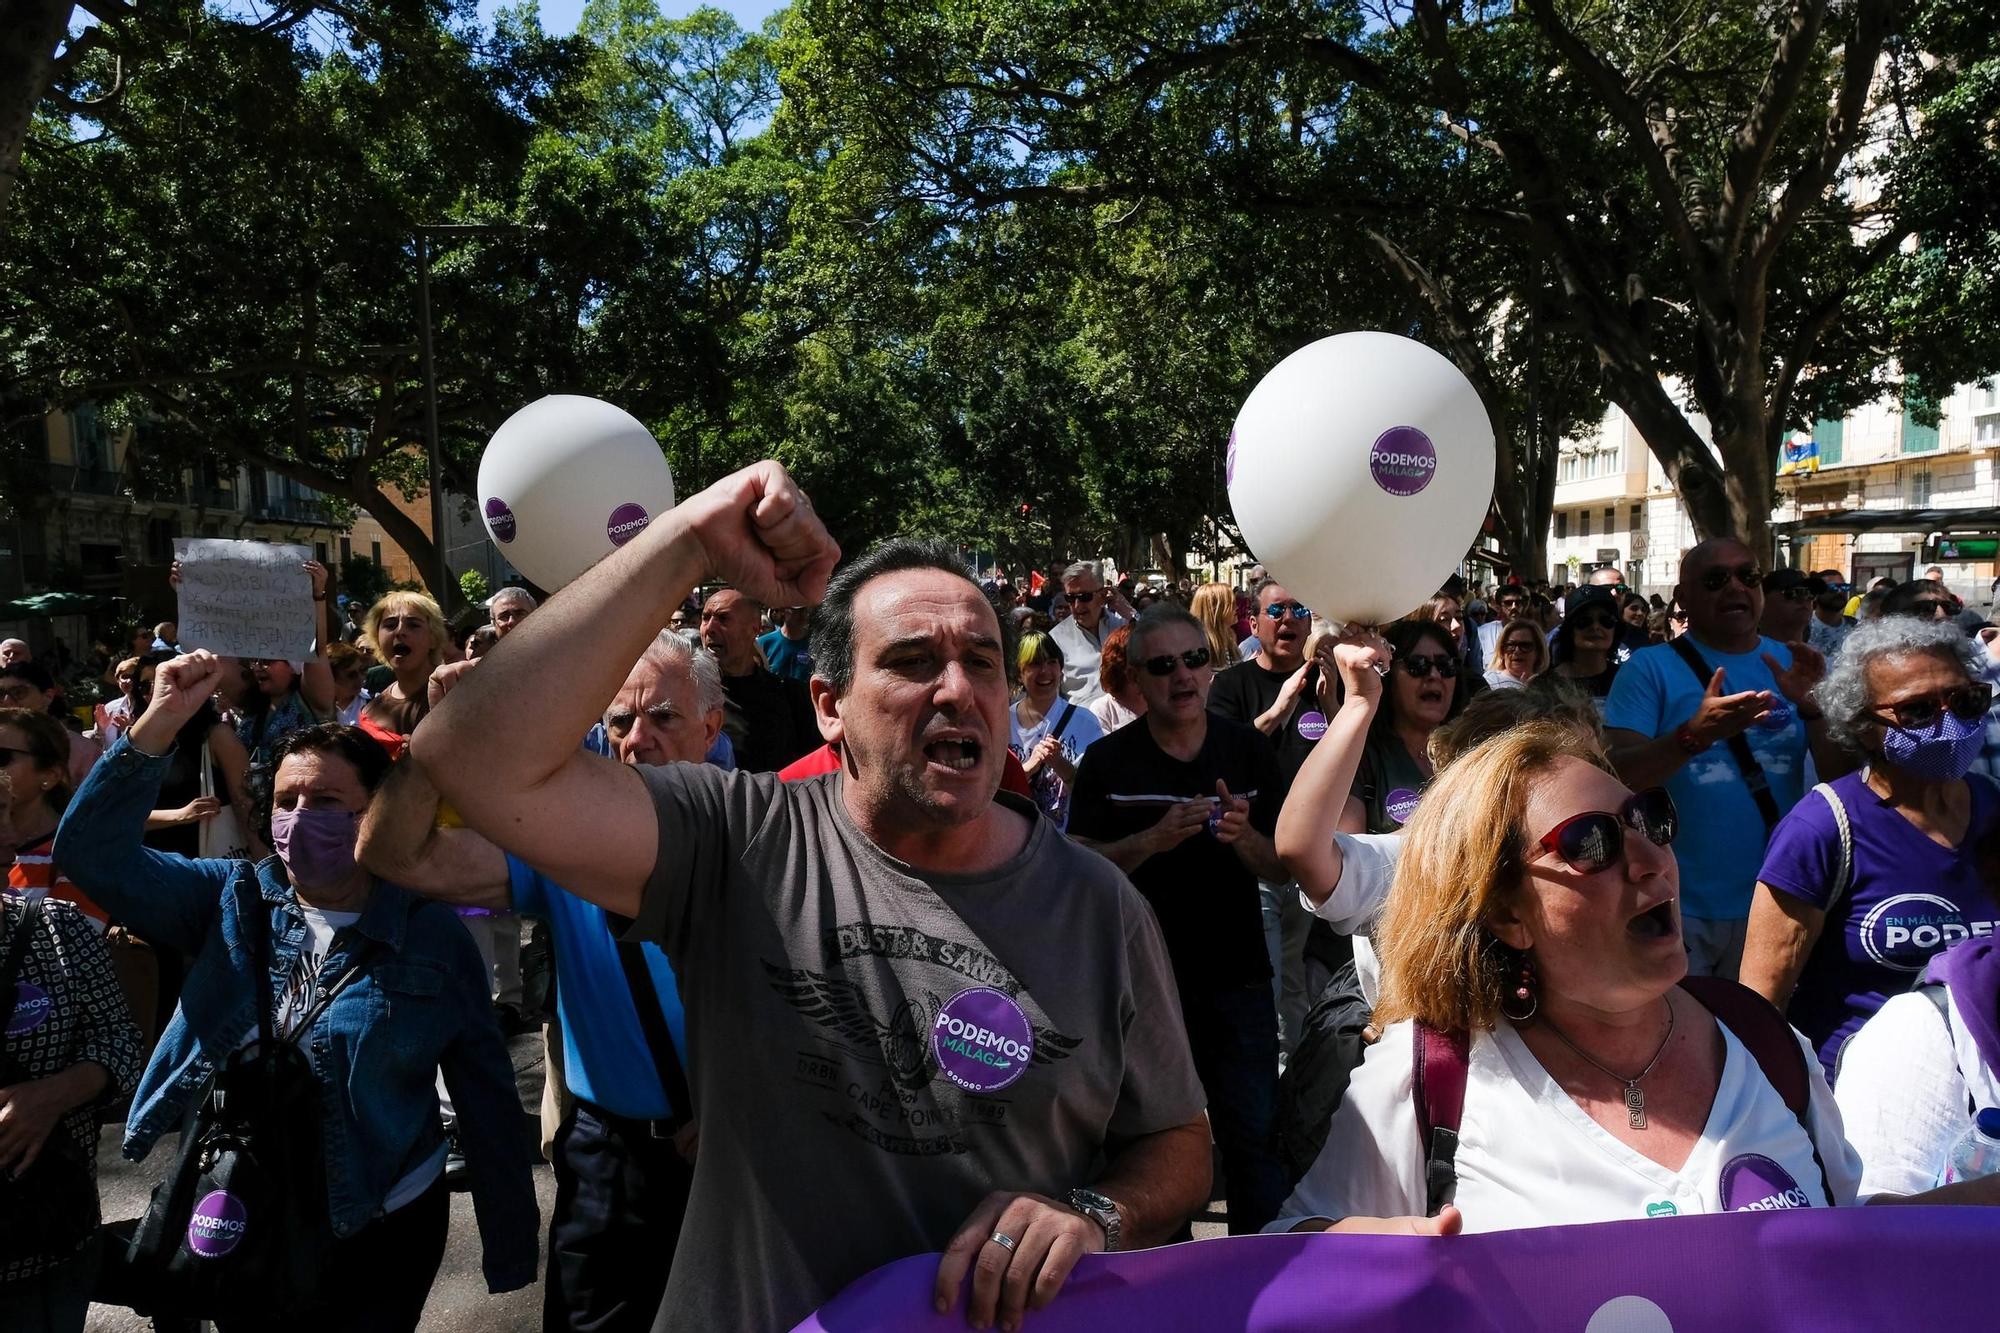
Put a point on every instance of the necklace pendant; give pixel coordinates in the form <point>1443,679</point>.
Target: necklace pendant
<point>1635,1106</point>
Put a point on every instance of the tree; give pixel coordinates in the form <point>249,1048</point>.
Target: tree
<point>1717,204</point>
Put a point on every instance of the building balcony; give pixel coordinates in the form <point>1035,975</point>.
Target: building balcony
<point>67,478</point>
<point>291,509</point>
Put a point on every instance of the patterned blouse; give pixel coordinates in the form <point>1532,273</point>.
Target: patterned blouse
<point>68,1009</point>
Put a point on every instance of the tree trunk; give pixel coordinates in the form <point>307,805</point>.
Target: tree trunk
<point>30,31</point>
<point>1749,469</point>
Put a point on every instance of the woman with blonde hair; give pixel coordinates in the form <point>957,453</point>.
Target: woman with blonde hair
<point>410,638</point>
<point>1520,654</point>
<point>1214,605</point>
<point>1544,1058</point>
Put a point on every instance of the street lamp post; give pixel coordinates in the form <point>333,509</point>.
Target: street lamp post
<point>428,353</point>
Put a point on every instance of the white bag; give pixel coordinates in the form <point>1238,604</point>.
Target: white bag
<point>221,836</point>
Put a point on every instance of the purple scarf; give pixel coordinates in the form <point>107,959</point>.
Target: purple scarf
<point>1971,971</point>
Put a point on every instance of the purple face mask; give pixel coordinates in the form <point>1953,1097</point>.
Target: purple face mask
<point>1942,752</point>
<point>316,845</point>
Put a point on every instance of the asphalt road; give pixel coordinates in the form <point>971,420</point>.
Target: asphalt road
<point>459,1302</point>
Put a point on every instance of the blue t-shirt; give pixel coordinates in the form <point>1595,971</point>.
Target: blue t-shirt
<point>605,1057</point>
<point>1722,834</point>
<point>1908,899</point>
<point>786,657</point>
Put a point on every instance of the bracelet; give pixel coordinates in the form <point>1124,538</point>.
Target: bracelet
<point>1684,736</point>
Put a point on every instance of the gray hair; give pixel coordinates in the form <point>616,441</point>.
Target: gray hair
<point>1157,617</point>
<point>1844,692</point>
<point>512,594</point>
<point>671,651</point>
<point>1083,569</point>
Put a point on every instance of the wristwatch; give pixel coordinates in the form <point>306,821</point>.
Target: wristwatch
<point>1099,1210</point>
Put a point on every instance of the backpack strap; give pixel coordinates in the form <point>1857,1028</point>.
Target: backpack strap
<point>1770,1040</point>
<point>1940,997</point>
<point>10,979</point>
<point>1438,1069</point>
<point>1739,745</point>
<point>1062,723</point>
<point>1843,880</point>
<point>659,1037</point>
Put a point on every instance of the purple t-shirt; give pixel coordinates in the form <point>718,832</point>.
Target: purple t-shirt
<point>1909,899</point>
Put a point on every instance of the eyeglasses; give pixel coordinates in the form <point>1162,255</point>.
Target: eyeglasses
<point>1419,665</point>
<point>1679,617</point>
<point>1522,646</point>
<point>8,754</point>
<point>1797,593</point>
<point>1934,607</point>
<point>16,694</point>
<point>1594,841</point>
<point>1593,620</point>
<point>1278,611</point>
<point>1968,703</point>
<point>1080,598</point>
<point>1194,659</point>
<point>1715,580</point>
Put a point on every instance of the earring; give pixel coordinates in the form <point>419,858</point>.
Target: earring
<point>1523,992</point>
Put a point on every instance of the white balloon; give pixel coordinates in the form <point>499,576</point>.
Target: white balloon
<point>1360,471</point>
<point>567,479</point>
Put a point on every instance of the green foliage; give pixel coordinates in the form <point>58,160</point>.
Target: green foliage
<point>472,586</point>
<point>363,579</point>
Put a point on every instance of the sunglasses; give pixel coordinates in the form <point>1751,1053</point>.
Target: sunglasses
<point>1278,610</point>
<point>8,754</point>
<point>1194,659</point>
<point>1594,620</point>
<point>1934,607</point>
<point>1594,841</point>
<point>1419,665</point>
<point>1518,646</point>
<point>1080,598</point>
<point>1968,703</point>
<point>1715,580</point>
<point>1800,593</point>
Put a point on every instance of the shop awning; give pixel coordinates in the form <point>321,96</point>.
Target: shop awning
<point>1893,520</point>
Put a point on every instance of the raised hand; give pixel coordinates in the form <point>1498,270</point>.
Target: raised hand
<point>183,685</point>
<point>760,534</point>
<point>1721,716</point>
<point>317,573</point>
<point>1807,670</point>
<point>1361,656</point>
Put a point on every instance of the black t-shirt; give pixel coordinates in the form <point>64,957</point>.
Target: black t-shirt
<point>1242,693</point>
<point>768,720</point>
<point>1203,894</point>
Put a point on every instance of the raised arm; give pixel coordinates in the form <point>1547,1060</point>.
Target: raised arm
<point>316,682</point>
<point>516,774</point>
<point>401,842</point>
<point>1304,839</point>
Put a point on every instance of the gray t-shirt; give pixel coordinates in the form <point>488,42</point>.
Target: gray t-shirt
<point>871,1051</point>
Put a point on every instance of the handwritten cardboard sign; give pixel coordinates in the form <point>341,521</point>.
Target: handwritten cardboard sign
<point>245,599</point>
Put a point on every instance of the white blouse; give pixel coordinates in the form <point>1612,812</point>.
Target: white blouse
<point>1529,1156</point>
<point>1907,1088</point>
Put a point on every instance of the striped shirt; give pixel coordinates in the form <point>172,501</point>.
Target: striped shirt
<point>34,875</point>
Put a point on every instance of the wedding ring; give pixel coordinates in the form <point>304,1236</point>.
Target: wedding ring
<point>1003,1240</point>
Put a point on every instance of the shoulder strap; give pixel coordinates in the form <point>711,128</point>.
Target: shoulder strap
<point>1438,1088</point>
<point>360,960</point>
<point>1739,745</point>
<point>1062,723</point>
<point>10,979</point>
<point>256,917</point>
<point>653,1022</point>
<point>1771,1042</point>
<point>1841,880</point>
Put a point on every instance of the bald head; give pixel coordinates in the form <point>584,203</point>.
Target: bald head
<point>1721,588</point>
<point>1606,576</point>
<point>13,652</point>
<point>729,625</point>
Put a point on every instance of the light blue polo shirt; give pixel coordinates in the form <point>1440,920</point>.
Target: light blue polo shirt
<point>605,1056</point>
<point>1722,835</point>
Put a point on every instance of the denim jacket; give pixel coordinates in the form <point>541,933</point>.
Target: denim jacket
<point>421,1005</point>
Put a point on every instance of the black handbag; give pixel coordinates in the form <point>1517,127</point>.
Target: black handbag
<point>51,1208</point>
<point>239,1230</point>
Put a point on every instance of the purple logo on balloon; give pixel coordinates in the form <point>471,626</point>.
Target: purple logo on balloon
<point>500,519</point>
<point>1312,725</point>
<point>1229,464</point>
<point>32,1007</point>
<point>1402,803</point>
<point>626,522</point>
<point>217,1225</point>
<point>1403,460</point>
<point>982,1040</point>
<point>1755,1184</point>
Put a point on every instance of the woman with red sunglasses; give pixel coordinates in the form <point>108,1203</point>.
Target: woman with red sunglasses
<point>1532,1003</point>
<point>1874,873</point>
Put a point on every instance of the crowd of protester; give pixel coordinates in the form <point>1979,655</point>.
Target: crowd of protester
<point>892,910</point>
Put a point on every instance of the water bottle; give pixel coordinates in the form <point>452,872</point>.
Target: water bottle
<point>1977,1153</point>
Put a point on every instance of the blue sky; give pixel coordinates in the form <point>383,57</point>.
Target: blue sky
<point>559,16</point>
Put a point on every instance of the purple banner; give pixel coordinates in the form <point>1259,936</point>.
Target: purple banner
<point>1816,1268</point>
